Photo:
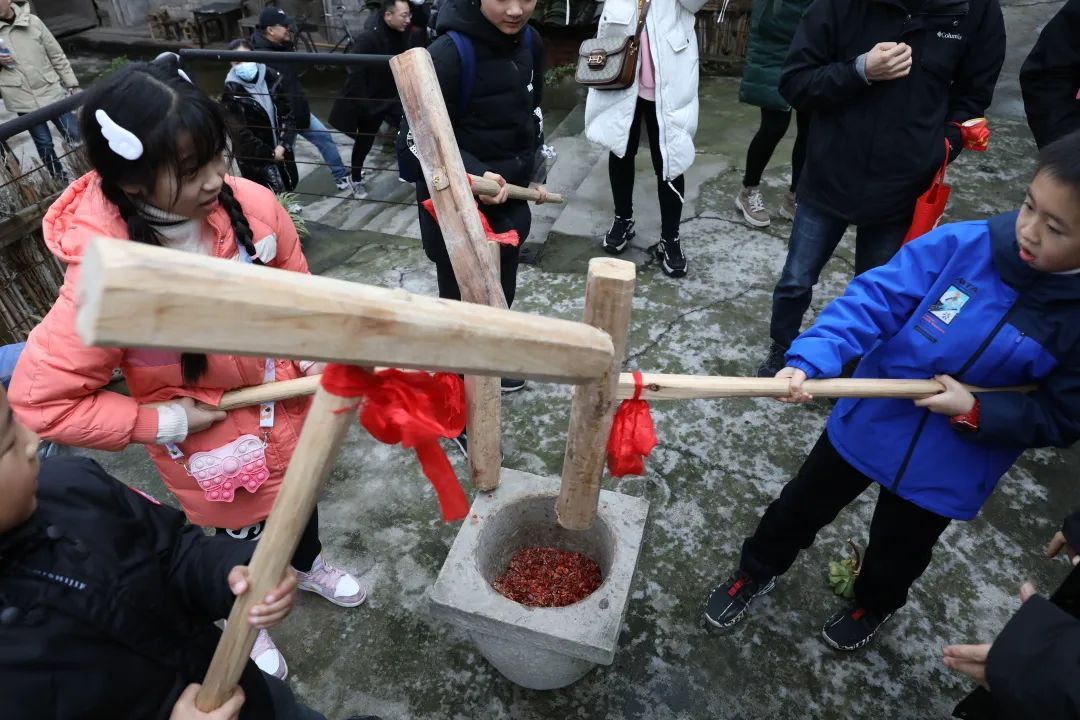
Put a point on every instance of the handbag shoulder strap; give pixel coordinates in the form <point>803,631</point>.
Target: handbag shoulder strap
<point>642,11</point>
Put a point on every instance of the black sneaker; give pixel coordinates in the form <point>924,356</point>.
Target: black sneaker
<point>774,362</point>
<point>619,236</point>
<point>462,441</point>
<point>670,255</point>
<point>512,385</point>
<point>853,627</point>
<point>729,601</point>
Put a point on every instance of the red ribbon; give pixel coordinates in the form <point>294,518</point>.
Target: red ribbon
<point>510,237</point>
<point>633,436</point>
<point>414,409</point>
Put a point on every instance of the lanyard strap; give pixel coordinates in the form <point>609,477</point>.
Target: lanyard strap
<point>266,413</point>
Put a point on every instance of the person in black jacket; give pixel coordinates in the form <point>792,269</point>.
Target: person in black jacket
<point>417,31</point>
<point>369,95</point>
<point>1032,669</point>
<point>273,34</point>
<point>499,131</point>
<point>108,599</point>
<point>1050,77</point>
<point>261,123</point>
<point>887,82</point>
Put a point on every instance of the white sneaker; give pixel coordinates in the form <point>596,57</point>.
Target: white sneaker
<point>344,185</point>
<point>268,657</point>
<point>337,586</point>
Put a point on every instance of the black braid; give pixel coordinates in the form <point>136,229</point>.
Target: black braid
<point>192,365</point>
<point>240,226</point>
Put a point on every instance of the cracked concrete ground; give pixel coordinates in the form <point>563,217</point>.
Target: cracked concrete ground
<point>717,466</point>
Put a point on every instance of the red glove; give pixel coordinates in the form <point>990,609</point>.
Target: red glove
<point>975,134</point>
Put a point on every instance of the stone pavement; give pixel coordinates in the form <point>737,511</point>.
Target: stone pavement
<point>717,466</point>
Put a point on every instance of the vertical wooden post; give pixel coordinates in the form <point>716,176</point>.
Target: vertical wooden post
<point>317,449</point>
<point>466,244</point>
<point>484,417</point>
<point>609,293</point>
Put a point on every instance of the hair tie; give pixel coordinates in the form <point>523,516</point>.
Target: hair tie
<point>122,141</point>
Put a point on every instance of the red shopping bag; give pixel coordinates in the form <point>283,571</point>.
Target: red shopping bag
<point>931,204</point>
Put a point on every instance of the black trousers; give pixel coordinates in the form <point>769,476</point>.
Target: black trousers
<point>774,124</point>
<point>363,137</point>
<point>309,548</point>
<point>511,215</point>
<point>621,173</point>
<point>902,534</point>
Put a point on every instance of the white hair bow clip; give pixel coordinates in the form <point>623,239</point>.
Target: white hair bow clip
<point>122,141</point>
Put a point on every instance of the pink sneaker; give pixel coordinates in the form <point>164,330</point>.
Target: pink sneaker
<point>268,657</point>
<point>337,586</point>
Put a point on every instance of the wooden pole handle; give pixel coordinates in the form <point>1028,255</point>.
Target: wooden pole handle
<point>269,392</point>
<point>483,186</point>
<point>318,446</point>
<point>657,386</point>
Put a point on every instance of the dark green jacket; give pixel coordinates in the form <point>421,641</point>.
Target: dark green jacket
<point>772,25</point>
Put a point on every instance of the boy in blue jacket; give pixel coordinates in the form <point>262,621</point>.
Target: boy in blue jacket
<point>990,303</point>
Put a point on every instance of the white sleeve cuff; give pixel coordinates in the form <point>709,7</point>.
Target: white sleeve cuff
<point>172,424</point>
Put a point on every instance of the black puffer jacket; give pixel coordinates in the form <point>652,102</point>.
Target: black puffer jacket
<point>370,89</point>
<point>499,130</point>
<point>290,77</point>
<point>107,603</point>
<point>874,148</point>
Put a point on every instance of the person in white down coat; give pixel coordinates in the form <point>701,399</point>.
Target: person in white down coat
<point>664,97</point>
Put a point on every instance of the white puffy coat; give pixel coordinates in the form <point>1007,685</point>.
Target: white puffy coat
<point>674,49</point>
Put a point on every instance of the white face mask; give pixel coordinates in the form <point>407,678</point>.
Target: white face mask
<point>247,71</point>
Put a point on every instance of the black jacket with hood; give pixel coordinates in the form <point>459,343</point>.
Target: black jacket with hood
<point>500,129</point>
<point>290,75</point>
<point>875,147</point>
<point>252,133</point>
<point>1050,77</point>
<point>107,603</point>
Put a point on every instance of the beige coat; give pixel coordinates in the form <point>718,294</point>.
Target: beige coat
<point>41,71</point>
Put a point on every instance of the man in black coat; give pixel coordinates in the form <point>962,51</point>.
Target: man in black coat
<point>273,34</point>
<point>887,82</point>
<point>1050,77</point>
<point>369,95</point>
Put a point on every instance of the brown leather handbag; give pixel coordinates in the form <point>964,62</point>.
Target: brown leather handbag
<point>609,63</point>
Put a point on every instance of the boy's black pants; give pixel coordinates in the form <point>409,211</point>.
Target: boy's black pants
<point>902,534</point>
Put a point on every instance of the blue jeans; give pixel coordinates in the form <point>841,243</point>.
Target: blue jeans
<point>320,137</point>
<point>814,237</point>
<point>43,141</point>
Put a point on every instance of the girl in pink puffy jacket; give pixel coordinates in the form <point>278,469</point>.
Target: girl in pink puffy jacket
<point>157,145</point>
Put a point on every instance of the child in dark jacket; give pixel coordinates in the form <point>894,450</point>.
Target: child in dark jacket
<point>108,599</point>
<point>992,303</point>
<point>498,127</point>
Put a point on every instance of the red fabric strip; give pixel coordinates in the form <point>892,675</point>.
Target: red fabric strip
<point>510,237</point>
<point>633,435</point>
<point>414,409</point>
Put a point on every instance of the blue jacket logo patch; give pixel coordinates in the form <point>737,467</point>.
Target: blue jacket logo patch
<point>949,305</point>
